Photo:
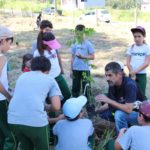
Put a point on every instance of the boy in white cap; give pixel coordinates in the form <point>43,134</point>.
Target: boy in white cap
<point>73,132</point>
<point>7,140</point>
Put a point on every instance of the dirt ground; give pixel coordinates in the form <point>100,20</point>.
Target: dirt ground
<point>110,42</point>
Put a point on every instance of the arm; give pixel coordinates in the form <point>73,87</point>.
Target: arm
<point>55,103</point>
<point>117,146</point>
<point>71,67</point>
<point>128,63</point>
<point>60,62</point>
<point>2,89</point>
<point>56,119</point>
<point>4,92</point>
<point>89,57</point>
<point>145,65</point>
<point>127,107</point>
<point>124,139</point>
<point>102,108</point>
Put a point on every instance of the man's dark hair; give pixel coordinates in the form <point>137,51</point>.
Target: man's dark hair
<point>40,63</point>
<point>80,27</point>
<point>114,67</point>
<point>45,24</point>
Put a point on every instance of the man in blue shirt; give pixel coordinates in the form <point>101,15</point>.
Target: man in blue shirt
<point>122,93</point>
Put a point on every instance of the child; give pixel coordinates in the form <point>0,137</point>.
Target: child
<point>73,132</point>
<point>45,26</point>
<point>38,20</point>
<point>138,57</point>
<point>26,115</point>
<point>82,52</point>
<point>136,137</point>
<point>26,63</point>
<point>7,140</point>
<point>48,46</point>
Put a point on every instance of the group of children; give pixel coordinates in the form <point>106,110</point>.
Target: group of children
<point>23,117</point>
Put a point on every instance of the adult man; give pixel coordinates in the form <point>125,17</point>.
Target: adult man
<point>136,137</point>
<point>122,93</point>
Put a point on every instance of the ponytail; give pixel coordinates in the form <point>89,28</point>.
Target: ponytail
<point>40,46</point>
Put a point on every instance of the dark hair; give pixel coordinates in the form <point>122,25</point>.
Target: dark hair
<point>146,119</point>
<point>80,27</point>
<point>114,67</point>
<point>47,36</point>
<point>74,119</point>
<point>26,58</point>
<point>40,63</point>
<point>45,24</point>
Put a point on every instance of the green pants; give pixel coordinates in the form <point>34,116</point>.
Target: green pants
<point>81,78</point>
<point>7,139</point>
<point>31,137</point>
<point>142,80</point>
<point>63,87</point>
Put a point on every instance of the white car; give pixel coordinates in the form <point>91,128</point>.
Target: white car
<point>102,15</point>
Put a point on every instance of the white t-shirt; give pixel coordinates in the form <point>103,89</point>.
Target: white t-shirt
<point>27,105</point>
<point>136,137</point>
<point>138,55</point>
<point>52,56</point>
<point>4,79</point>
<point>73,135</point>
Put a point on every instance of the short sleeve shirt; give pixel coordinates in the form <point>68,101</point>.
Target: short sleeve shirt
<point>128,92</point>
<point>53,58</point>
<point>85,48</point>
<point>138,55</point>
<point>73,135</point>
<point>136,138</point>
<point>27,105</point>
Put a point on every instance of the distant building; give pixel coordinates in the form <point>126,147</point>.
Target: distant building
<point>81,4</point>
<point>145,6</point>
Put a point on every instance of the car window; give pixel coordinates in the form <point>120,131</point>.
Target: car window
<point>104,12</point>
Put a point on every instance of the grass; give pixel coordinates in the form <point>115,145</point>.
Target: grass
<point>33,6</point>
<point>128,15</point>
<point>110,42</point>
<point>36,6</point>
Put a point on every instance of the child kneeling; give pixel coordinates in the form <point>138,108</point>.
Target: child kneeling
<point>73,132</point>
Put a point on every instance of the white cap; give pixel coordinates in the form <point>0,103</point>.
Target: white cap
<point>73,106</point>
<point>121,64</point>
<point>5,33</point>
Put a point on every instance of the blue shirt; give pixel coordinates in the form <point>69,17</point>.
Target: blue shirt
<point>85,48</point>
<point>128,92</point>
<point>73,135</point>
<point>136,138</point>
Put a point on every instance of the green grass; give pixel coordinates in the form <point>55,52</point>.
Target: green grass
<point>33,5</point>
<point>128,15</point>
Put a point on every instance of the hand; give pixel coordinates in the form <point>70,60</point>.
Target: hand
<point>121,133</point>
<point>80,56</point>
<point>60,117</point>
<point>102,98</point>
<point>133,73</point>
